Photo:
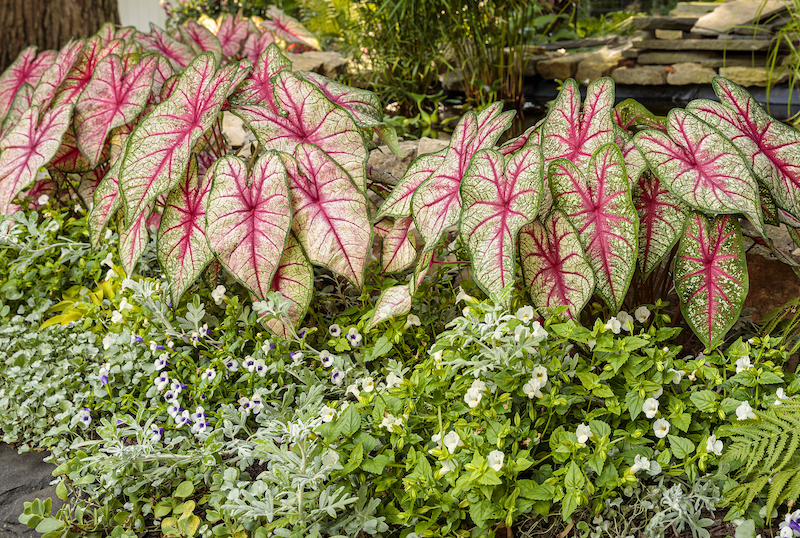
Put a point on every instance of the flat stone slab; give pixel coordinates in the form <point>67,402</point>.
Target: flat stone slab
<point>696,8</point>
<point>705,44</point>
<point>669,58</point>
<point>664,23</point>
<point>689,73</point>
<point>737,13</point>
<point>647,75</point>
<point>23,477</point>
<point>669,34</point>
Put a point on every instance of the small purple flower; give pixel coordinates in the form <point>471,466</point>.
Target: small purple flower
<point>354,337</point>
<point>296,355</point>
<point>334,330</point>
<point>231,365</point>
<point>104,371</point>
<point>85,416</point>
<point>174,409</point>
<point>176,387</point>
<point>302,333</point>
<point>155,433</point>
<point>161,381</point>
<point>159,347</point>
<point>104,379</point>
<point>261,368</point>
<point>337,377</point>
<point>170,396</point>
<point>161,362</point>
<point>138,339</point>
<point>199,415</point>
<point>183,419</point>
<point>326,358</point>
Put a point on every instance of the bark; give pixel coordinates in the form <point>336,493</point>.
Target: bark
<point>49,24</point>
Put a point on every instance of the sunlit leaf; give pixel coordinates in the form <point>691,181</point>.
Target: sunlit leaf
<point>26,69</point>
<point>393,302</point>
<point>179,54</point>
<point>294,279</point>
<point>397,250</point>
<point>289,29</point>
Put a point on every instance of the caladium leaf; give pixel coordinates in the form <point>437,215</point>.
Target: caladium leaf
<point>599,206</point>
<point>179,54</point>
<point>531,133</point>
<point>499,196</point>
<point>393,302</point>
<point>133,239</point>
<point>398,203</point>
<point>201,38</point>
<point>255,45</point>
<point>158,150</point>
<point>397,251</point>
<point>258,88</point>
<point>162,74</point>
<point>231,32</point>
<point>106,198</point>
<point>635,164</point>
<point>249,218</point>
<point>183,251</point>
<point>294,279</point>
<point>22,102</point>
<point>701,166</point>
<point>26,69</point>
<point>109,100</point>
<point>631,114</point>
<point>45,186</point>
<point>492,123</point>
<point>89,183</point>
<point>771,148</point>
<point>82,70</point>
<point>554,265</point>
<point>711,276</point>
<point>28,147</point>
<point>573,134</point>
<point>330,213</point>
<point>661,220</point>
<point>310,118</point>
<point>289,29</point>
<point>69,159</point>
<point>45,90</point>
<point>421,270</point>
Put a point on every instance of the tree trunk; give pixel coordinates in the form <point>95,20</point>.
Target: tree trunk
<point>49,24</point>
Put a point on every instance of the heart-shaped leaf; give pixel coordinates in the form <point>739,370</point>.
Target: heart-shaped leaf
<point>109,100</point>
<point>635,164</point>
<point>532,134</point>
<point>771,148</point>
<point>255,45</point>
<point>179,54</point>
<point>393,302</point>
<point>701,166</point>
<point>201,38</point>
<point>398,203</point>
<point>28,147</point>
<point>158,149</point>
<point>599,206</point>
<point>711,276</point>
<point>26,69</point>
<point>330,213</point>
<point>631,114</point>
<point>79,75</point>
<point>231,33</point>
<point>492,123</point>
<point>106,198</point>
<point>397,251</point>
<point>22,101</point>
<point>183,251</point>
<point>69,159</point>
<point>249,218</point>
<point>289,29</point>
<point>661,220</point>
<point>294,279</point>
<point>499,196</point>
<point>257,89</point>
<point>554,265</point>
<point>51,80</point>
<point>89,183</point>
<point>133,239</point>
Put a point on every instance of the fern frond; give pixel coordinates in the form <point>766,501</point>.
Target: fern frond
<point>776,489</point>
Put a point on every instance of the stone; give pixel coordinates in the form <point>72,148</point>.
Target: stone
<point>750,76</point>
<point>234,128</point>
<point>668,34</point>
<point>764,294</point>
<point>301,62</point>
<point>640,76</point>
<point>327,63</point>
<point>695,8</point>
<point>386,161</point>
<point>669,58</point>
<point>664,23</point>
<point>705,44</point>
<point>581,43</point>
<point>690,73</point>
<point>735,61</point>
<point>737,13</point>
<point>592,69</point>
<point>23,477</point>
<point>561,67</point>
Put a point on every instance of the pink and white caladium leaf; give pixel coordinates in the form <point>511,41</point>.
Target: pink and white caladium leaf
<point>635,164</point>
<point>255,44</point>
<point>89,183</point>
<point>553,264</point>
<point>294,279</point>
<point>699,165</point>
<point>308,117</point>
<point>599,205</point>
<point>201,39</point>
<point>257,89</point>
<point>499,195</point>
<point>575,134</point>
<point>532,134</point>
<point>46,186</point>
<point>771,148</point>
<point>82,70</point>
<point>179,54</point>
<point>398,203</point>
<point>631,115</point>
<point>421,270</point>
<point>711,276</point>
<point>231,33</point>
<point>661,220</point>
<point>22,102</point>
<point>106,198</point>
<point>393,302</point>
<point>158,150</point>
<point>248,219</point>
<point>26,69</point>
<point>183,251</point>
<point>492,123</point>
<point>27,147</point>
<point>45,90</point>
<point>70,159</point>
<point>289,29</point>
<point>330,213</point>
<point>109,100</point>
<point>133,239</point>
<point>162,74</point>
<point>397,251</point>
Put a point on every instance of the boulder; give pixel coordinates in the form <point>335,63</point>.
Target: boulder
<point>690,73</point>
<point>560,67</point>
<point>640,76</point>
<point>327,63</point>
<point>751,76</point>
<point>386,161</point>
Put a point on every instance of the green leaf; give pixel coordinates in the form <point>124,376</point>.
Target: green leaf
<point>61,491</point>
<point>184,489</point>
<point>574,479</point>
<point>376,464</point>
<point>634,402</point>
<point>381,348</point>
<point>769,378</point>
<point>529,489</point>
<point>681,447</point>
<point>569,503</point>
<point>49,524</point>
<point>356,457</point>
<point>746,529</point>
<point>705,400</point>
<point>588,380</point>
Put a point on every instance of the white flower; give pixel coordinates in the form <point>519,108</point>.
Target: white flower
<point>108,261</point>
<point>367,384</point>
<point>495,459</point>
<point>390,420</point>
<point>393,380</point>
<point>85,416</point>
<point>161,381</point>
<point>591,343</point>
<point>583,432</point>
<point>353,389</point>
<point>641,314</point>
<point>183,419</point>
<point>521,332</point>
<point>116,317</point>
<point>640,463</point>
<point>330,458</point>
<point>714,445</point>
<point>176,387</point>
<point>650,407</point>
<point>462,296</point>
<point>533,388</point>
<point>538,330</point>
<point>208,375</point>
<point>326,358</point>
<point>452,441</point>
<point>327,413</point>
<point>124,305</point>
<point>218,294</point>
<point>447,466</point>
<point>108,234</point>
<point>478,385</point>
<point>661,428</point>
<point>337,377</point>
<point>743,364</point>
<point>334,330</point>
<point>473,398</point>
<point>678,375</point>
<point>411,319</point>
<point>231,364</point>
<point>244,405</point>
<point>525,314</point>
<point>780,395</point>
<point>256,404</point>
<point>658,392</point>
<point>614,325</point>
<point>161,362</point>
<point>745,411</point>
<point>354,337</point>
<point>260,367</point>
<point>250,363</point>
<point>174,409</point>
<point>437,438</point>
<point>540,373</point>
<point>43,199</point>
<point>624,318</point>
<point>786,532</point>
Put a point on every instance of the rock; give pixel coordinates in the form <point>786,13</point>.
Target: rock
<point>664,23</point>
<point>234,128</point>
<point>690,73</point>
<point>640,76</point>
<point>599,63</point>
<point>728,45</point>
<point>669,58</point>
<point>668,34</point>
<point>327,63</point>
<point>730,60</point>
<point>750,76</point>
<point>384,160</point>
<point>561,67</point>
<point>736,13</point>
<point>693,8</point>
